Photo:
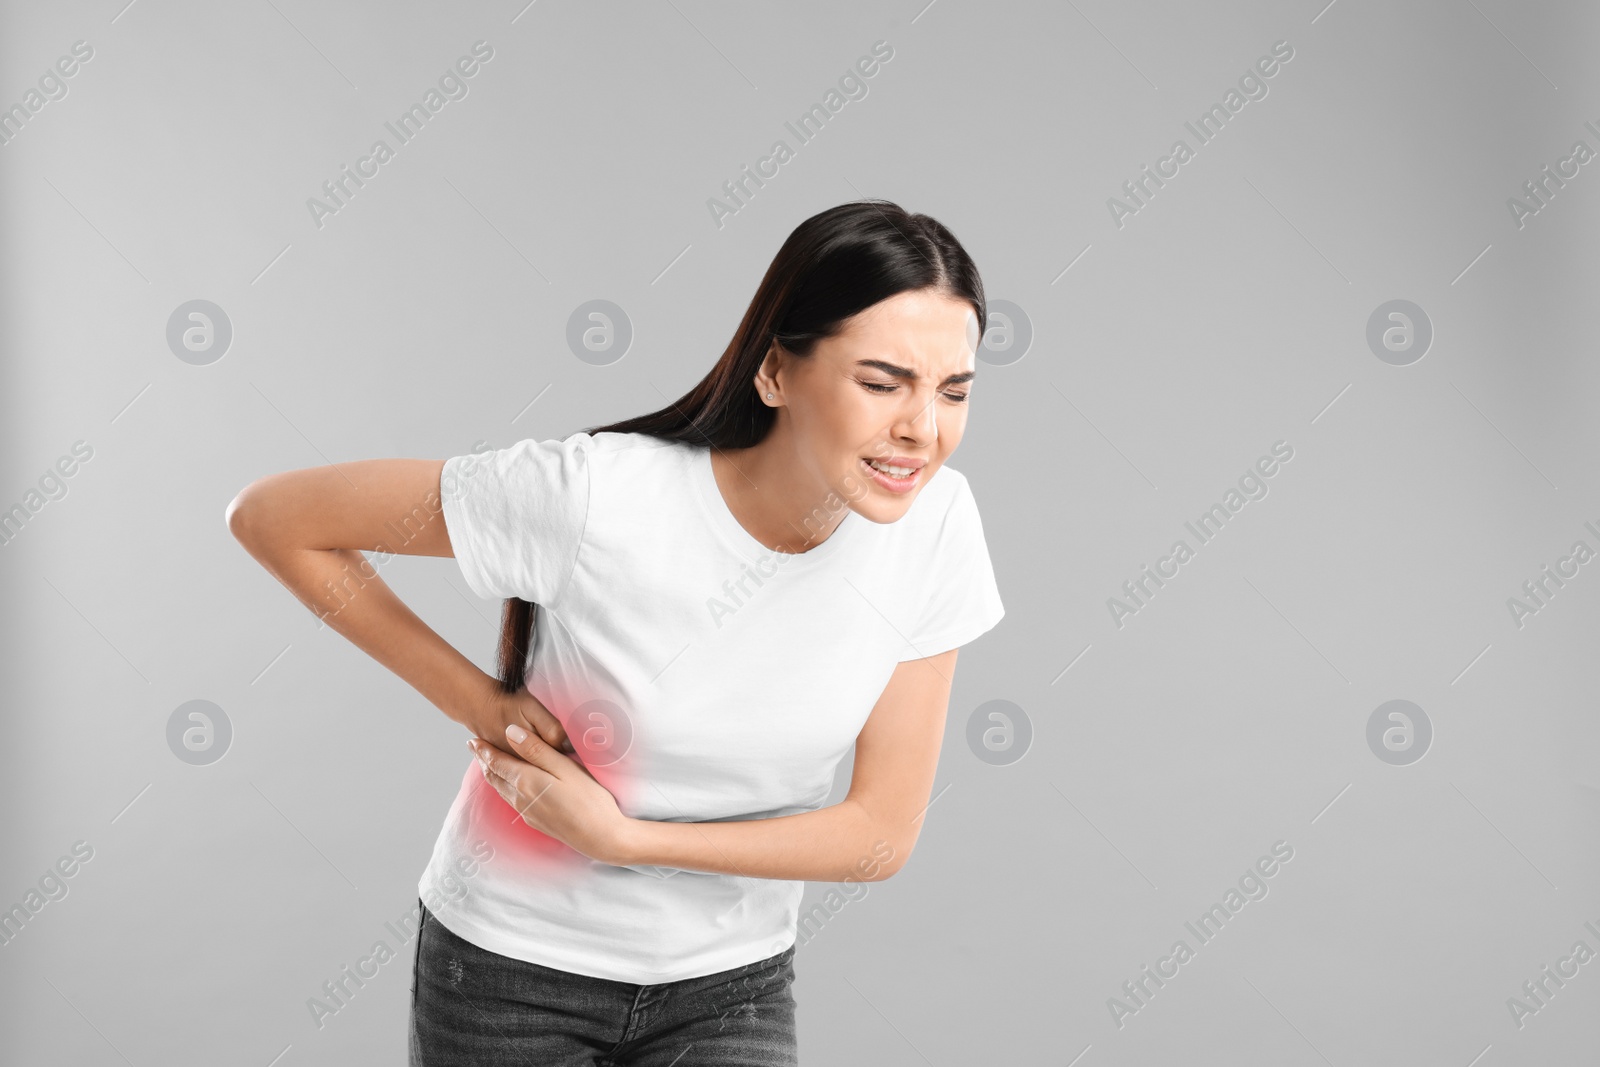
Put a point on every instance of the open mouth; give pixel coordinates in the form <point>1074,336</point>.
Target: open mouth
<point>894,477</point>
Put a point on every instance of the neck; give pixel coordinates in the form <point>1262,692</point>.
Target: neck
<point>775,497</point>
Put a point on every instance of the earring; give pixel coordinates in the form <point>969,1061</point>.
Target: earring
<point>769,396</point>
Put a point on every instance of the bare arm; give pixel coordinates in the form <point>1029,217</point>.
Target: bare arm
<point>309,527</point>
<point>868,836</point>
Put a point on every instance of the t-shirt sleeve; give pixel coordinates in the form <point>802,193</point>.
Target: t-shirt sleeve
<point>963,600</point>
<point>516,516</point>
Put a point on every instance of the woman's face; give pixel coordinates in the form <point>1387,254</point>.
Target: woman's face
<point>892,386</point>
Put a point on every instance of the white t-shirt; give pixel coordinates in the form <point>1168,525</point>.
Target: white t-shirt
<point>701,676</point>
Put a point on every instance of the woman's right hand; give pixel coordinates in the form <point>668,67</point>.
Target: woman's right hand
<point>499,709</point>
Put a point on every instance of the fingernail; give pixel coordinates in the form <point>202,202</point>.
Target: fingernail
<point>516,733</point>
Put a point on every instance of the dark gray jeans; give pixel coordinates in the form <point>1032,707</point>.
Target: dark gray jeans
<point>470,1006</point>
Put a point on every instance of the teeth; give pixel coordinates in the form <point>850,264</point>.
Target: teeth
<point>893,472</point>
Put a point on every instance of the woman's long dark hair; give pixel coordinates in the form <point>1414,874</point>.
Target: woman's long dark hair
<point>835,264</point>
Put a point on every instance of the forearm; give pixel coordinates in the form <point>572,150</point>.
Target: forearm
<point>833,844</point>
<point>344,590</point>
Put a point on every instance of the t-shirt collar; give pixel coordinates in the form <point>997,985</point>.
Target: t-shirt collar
<point>721,517</point>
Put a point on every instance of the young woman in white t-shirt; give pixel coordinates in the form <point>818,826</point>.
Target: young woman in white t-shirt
<point>731,592</point>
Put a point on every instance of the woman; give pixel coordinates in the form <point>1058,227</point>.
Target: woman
<point>734,589</point>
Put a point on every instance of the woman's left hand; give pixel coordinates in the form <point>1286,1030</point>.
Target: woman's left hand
<point>555,794</point>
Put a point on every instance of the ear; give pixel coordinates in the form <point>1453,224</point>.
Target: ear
<point>766,379</point>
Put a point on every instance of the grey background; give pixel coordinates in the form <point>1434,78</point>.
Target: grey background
<point>1229,313</point>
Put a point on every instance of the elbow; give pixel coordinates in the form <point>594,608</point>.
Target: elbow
<point>882,860</point>
<point>885,873</point>
<point>241,514</point>
<point>882,842</point>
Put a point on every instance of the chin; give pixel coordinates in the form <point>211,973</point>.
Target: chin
<point>881,510</point>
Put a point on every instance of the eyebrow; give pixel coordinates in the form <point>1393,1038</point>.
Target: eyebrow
<point>906,372</point>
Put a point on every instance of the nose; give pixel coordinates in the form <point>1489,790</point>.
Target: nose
<point>918,423</point>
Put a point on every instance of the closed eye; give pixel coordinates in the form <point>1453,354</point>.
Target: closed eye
<point>876,387</point>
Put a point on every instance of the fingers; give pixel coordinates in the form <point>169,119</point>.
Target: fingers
<point>507,775</point>
<point>506,790</point>
<point>549,728</point>
<point>533,763</point>
<point>533,749</point>
<point>551,734</point>
<point>530,746</point>
<point>491,759</point>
